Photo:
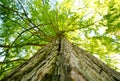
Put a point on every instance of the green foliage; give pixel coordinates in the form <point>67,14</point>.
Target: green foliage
<point>26,26</point>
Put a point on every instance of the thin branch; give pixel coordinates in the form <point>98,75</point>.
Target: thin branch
<point>36,14</point>
<point>26,13</point>
<point>54,27</point>
<point>7,8</point>
<point>10,9</point>
<point>81,27</point>
<point>34,26</point>
<point>25,29</point>
<point>12,61</point>
<point>17,14</point>
<point>41,32</point>
<point>27,44</point>
<point>74,18</point>
<point>23,32</point>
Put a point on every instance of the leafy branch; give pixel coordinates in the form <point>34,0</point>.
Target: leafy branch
<point>71,30</point>
<point>29,20</point>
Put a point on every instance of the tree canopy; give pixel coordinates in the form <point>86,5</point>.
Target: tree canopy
<point>28,25</point>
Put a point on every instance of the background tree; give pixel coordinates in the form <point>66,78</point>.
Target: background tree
<point>28,25</point>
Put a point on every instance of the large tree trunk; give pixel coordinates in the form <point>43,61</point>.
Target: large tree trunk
<point>62,61</point>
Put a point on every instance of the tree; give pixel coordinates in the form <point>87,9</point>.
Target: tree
<point>28,25</point>
<point>62,61</point>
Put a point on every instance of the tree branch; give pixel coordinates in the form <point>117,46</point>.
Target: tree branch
<point>10,9</point>
<point>25,13</point>
<point>29,20</point>
<point>13,61</point>
<point>81,27</point>
<point>27,44</point>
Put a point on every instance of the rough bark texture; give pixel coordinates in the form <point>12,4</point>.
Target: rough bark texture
<point>62,61</point>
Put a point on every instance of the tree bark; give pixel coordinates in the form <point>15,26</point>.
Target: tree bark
<point>62,61</point>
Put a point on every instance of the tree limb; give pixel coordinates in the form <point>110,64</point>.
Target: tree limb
<point>27,44</point>
<point>13,61</point>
